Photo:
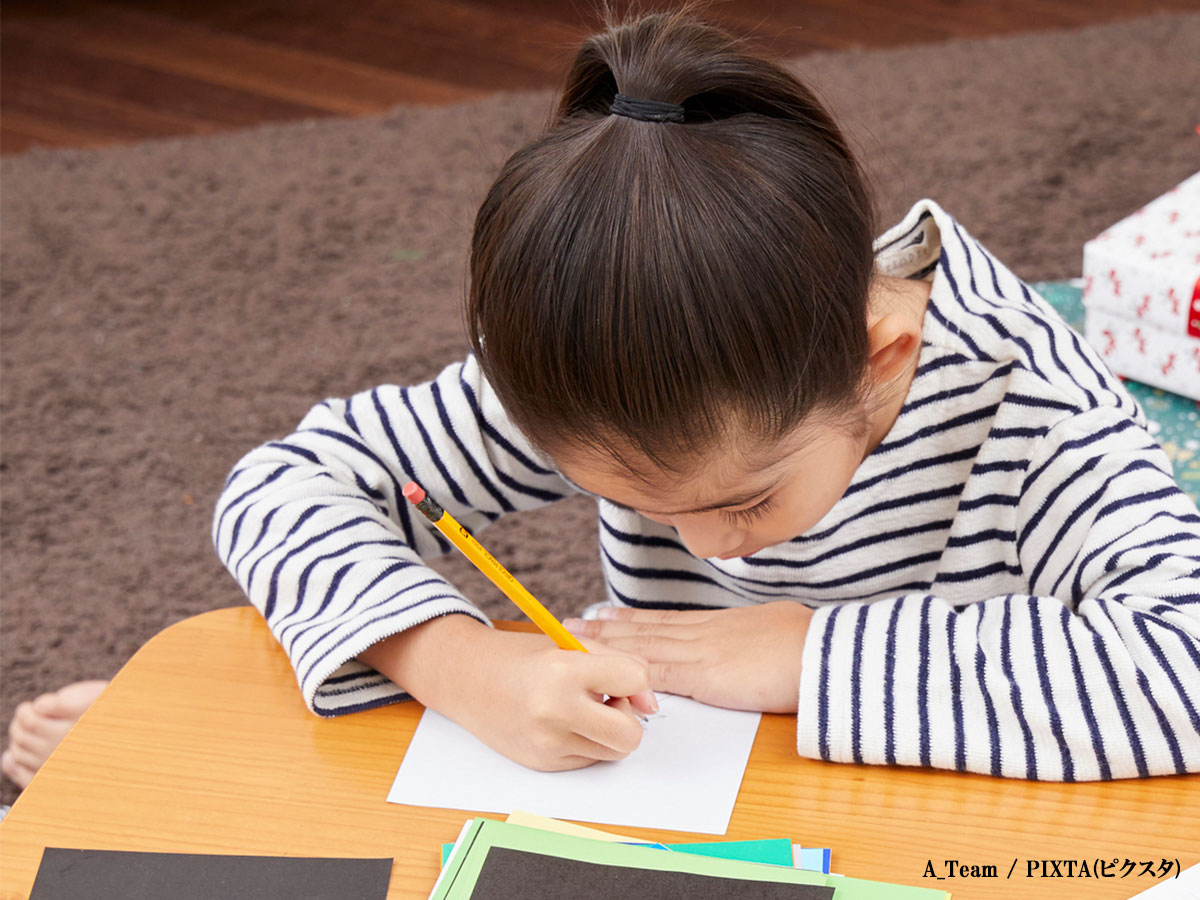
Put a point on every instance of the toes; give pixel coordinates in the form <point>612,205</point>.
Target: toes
<point>20,775</point>
<point>46,705</point>
<point>25,757</point>
<point>22,718</point>
<point>32,737</point>
<point>76,698</point>
<point>29,724</point>
<point>39,725</point>
<point>70,701</point>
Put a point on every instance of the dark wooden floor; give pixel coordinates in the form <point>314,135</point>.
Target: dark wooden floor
<point>81,73</point>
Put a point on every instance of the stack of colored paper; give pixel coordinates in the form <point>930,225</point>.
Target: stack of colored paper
<point>494,860</point>
<point>773,851</point>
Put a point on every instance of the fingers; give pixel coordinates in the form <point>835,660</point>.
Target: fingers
<point>600,732</point>
<point>653,616</point>
<point>566,764</point>
<point>617,674</point>
<point>680,678</point>
<point>654,635</point>
<point>654,649</point>
<point>612,622</point>
<point>657,665</point>
<point>664,664</point>
<point>644,701</point>
<point>607,632</point>
<point>620,703</point>
<point>567,722</point>
<point>608,732</point>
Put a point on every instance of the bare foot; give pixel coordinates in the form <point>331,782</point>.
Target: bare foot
<point>39,725</point>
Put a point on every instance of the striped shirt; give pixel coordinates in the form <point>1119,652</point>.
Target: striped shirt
<point>1009,585</point>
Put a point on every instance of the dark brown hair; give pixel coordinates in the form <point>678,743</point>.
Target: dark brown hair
<point>641,285</point>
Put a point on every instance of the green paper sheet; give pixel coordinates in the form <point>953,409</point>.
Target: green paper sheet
<point>772,851</point>
<point>462,870</point>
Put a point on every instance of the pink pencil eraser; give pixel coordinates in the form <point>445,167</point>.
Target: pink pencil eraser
<point>412,492</point>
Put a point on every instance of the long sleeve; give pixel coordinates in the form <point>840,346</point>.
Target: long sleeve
<point>1095,674</point>
<point>316,531</point>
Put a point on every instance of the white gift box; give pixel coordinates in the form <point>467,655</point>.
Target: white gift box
<point>1141,292</point>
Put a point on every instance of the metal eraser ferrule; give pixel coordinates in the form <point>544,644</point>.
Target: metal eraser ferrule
<point>430,509</point>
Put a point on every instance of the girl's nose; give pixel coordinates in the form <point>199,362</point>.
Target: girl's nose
<point>707,536</point>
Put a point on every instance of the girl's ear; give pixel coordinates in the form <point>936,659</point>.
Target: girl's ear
<point>894,329</point>
<point>893,341</point>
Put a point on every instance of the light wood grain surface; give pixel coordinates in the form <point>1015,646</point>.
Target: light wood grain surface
<point>202,744</point>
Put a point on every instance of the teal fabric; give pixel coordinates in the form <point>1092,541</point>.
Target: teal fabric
<point>1174,419</point>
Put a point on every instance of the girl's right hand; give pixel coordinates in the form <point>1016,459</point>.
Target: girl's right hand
<point>519,693</point>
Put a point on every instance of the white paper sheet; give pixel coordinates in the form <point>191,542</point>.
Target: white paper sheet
<point>1185,887</point>
<point>684,776</point>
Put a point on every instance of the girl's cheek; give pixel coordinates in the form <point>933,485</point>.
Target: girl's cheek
<point>793,521</point>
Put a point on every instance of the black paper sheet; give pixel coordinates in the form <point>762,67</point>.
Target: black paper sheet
<point>123,875</point>
<point>518,875</point>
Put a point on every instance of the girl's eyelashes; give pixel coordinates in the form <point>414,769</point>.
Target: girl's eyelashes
<point>751,513</point>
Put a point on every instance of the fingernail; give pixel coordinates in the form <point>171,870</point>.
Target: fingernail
<point>573,624</point>
<point>607,613</point>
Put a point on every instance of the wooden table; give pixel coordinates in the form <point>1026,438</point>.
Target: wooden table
<point>202,744</point>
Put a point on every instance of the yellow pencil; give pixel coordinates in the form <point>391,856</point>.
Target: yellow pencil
<point>486,563</point>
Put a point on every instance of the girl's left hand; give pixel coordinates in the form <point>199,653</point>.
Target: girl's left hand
<point>741,658</point>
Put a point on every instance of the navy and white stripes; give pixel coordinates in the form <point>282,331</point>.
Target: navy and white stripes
<point>1010,585</point>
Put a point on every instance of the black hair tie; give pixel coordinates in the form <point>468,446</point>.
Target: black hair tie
<point>646,110</point>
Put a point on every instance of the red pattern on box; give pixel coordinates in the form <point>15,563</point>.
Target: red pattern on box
<point>1136,276</point>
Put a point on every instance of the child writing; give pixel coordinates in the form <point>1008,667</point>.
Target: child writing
<point>876,483</point>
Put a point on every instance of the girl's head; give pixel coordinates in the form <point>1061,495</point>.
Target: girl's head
<point>678,312</point>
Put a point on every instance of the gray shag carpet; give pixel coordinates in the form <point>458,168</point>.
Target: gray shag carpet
<point>170,305</point>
